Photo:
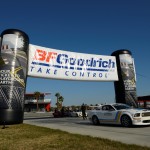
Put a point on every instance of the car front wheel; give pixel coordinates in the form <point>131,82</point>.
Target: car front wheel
<point>95,120</point>
<point>126,121</point>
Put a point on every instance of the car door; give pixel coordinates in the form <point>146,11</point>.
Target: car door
<point>108,113</point>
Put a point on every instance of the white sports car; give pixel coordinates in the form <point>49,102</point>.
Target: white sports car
<point>119,114</point>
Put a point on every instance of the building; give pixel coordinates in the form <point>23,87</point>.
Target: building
<point>144,101</point>
<point>44,102</point>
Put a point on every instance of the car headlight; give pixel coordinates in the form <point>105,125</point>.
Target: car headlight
<point>137,115</point>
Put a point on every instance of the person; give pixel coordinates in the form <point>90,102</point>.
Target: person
<point>83,109</point>
<point>62,112</point>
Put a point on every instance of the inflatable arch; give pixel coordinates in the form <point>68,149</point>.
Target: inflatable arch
<point>19,59</point>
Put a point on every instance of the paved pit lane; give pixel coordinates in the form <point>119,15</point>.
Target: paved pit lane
<point>134,135</point>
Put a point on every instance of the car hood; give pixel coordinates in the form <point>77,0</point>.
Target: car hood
<point>135,110</point>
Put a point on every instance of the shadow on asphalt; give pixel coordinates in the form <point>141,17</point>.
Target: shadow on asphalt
<point>111,125</point>
<point>34,118</point>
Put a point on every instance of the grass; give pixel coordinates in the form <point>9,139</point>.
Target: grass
<point>29,137</point>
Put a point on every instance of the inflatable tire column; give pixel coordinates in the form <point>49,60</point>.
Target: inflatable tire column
<point>125,88</point>
<point>13,70</point>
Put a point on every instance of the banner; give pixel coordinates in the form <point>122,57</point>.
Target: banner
<point>125,87</point>
<point>57,64</point>
<point>129,78</point>
<point>128,72</point>
<point>13,73</point>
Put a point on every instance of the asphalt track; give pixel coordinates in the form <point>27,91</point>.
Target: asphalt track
<point>135,135</point>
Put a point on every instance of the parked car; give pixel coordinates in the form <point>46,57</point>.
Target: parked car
<point>79,113</point>
<point>58,114</point>
<point>119,114</point>
<point>73,114</point>
<point>76,113</point>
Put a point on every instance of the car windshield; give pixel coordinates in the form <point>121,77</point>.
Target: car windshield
<point>121,106</point>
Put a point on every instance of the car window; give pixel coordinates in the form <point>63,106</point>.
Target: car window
<point>122,106</point>
<point>108,107</point>
<point>111,108</point>
<point>104,108</point>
